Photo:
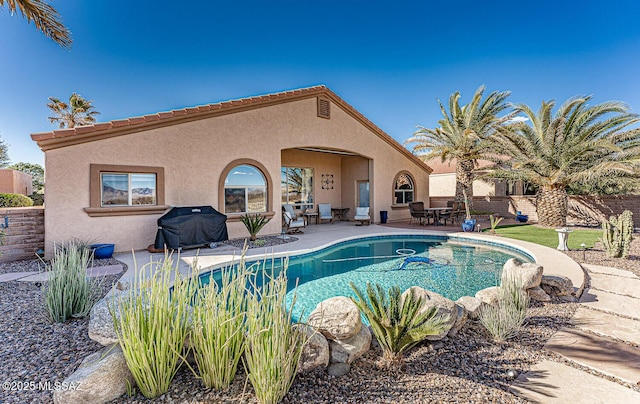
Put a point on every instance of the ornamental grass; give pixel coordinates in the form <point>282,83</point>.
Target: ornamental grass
<point>217,336</point>
<point>274,345</point>
<point>151,320</point>
<point>69,292</point>
<point>504,319</point>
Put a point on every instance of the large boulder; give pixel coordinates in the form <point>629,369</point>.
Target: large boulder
<point>471,305</point>
<point>350,349</point>
<point>489,295</point>
<point>538,294</point>
<point>530,274</point>
<point>336,318</point>
<point>556,285</point>
<point>445,307</point>
<point>102,377</point>
<point>315,353</point>
<point>461,319</point>
<point>101,327</point>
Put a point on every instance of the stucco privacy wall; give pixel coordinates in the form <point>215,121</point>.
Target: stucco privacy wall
<point>25,234</point>
<point>15,182</point>
<point>583,210</point>
<point>194,155</point>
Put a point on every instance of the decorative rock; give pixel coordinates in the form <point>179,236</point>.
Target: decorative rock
<point>461,319</point>
<point>338,369</point>
<point>315,353</point>
<point>101,323</point>
<point>489,295</point>
<point>446,307</point>
<point>529,273</point>
<point>471,305</point>
<point>336,318</point>
<point>538,294</point>
<point>556,285</point>
<point>350,349</point>
<point>101,377</point>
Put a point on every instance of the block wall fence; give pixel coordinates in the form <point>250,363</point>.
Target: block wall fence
<point>583,210</point>
<point>24,235</point>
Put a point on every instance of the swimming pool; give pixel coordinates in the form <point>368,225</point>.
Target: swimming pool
<point>448,266</point>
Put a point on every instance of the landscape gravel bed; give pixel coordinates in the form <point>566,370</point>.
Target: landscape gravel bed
<point>466,368</point>
<point>598,256</point>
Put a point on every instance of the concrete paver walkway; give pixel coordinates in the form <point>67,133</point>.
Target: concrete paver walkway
<point>43,276</point>
<point>605,335</point>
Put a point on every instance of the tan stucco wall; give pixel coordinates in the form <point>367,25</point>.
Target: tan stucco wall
<point>445,185</point>
<point>194,154</point>
<point>15,182</point>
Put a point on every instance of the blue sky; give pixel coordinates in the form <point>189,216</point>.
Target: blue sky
<point>390,60</point>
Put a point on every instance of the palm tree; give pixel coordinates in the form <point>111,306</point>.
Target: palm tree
<point>579,144</point>
<point>461,135</point>
<point>78,112</point>
<point>45,18</point>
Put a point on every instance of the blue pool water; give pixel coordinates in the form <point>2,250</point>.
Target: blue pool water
<point>448,267</point>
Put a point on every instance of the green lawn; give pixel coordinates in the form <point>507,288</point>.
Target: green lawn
<point>549,237</point>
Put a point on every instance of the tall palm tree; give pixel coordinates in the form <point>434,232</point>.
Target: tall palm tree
<point>461,135</point>
<point>579,144</point>
<point>78,112</point>
<point>45,18</point>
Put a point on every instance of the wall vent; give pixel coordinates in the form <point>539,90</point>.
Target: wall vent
<point>324,108</point>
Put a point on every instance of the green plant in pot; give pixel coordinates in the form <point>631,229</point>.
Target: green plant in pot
<point>469,224</point>
<point>254,223</point>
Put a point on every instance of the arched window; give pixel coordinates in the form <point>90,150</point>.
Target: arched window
<point>403,189</point>
<point>245,190</point>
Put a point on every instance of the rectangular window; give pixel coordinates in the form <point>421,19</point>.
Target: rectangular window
<point>297,187</point>
<point>119,189</point>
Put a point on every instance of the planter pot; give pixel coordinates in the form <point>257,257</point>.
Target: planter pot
<point>469,225</point>
<point>102,251</point>
<point>521,218</point>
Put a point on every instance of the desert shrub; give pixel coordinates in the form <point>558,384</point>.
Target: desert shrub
<point>38,199</point>
<point>398,324</point>
<point>217,336</point>
<point>68,291</point>
<point>504,319</point>
<point>14,201</point>
<point>254,223</point>
<point>152,323</point>
<point>273,345</point>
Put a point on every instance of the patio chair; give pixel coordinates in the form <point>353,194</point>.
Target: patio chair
<point>456,211</point>
<point>325,213</point>
<point>292,225</point>
<point>287,207</point>
<point>362,215</point>
<point>416,209</point>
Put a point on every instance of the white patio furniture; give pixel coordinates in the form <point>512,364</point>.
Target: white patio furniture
<point>362,215</point>
<point>324,210</point>
<point>293,225</point>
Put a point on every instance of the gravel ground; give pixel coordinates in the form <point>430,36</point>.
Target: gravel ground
<point>467,368</point>
<point>31,348</point>
<point>598,256</point>
<point>260,242</point>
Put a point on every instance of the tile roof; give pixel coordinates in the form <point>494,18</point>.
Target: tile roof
<point>81,134</point>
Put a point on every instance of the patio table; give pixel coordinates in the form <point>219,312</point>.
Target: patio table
<point>436,214</point>
<point>340,212</point>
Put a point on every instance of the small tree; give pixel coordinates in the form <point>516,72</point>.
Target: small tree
<point>37,174</point>
<point>4,154</point>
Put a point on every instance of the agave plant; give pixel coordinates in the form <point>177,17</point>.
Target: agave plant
<point>495,221</point>
<point>254,223</point>
<point>398,323</point>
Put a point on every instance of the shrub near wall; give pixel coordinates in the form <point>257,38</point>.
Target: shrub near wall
<point>24,235</point>
<point>15,201</point>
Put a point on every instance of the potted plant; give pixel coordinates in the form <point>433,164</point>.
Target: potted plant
<point>469,224</point>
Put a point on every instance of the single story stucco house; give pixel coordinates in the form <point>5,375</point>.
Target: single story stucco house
<point>110,182</point>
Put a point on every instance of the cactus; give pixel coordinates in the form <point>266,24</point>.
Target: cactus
<point>617,234</point>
